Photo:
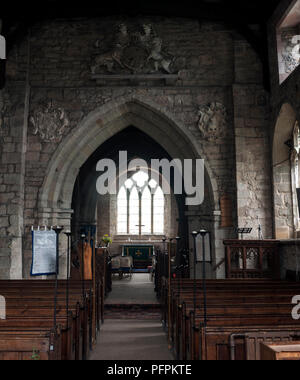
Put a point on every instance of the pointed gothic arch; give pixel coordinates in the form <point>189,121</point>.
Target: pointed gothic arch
<point>56,193</point>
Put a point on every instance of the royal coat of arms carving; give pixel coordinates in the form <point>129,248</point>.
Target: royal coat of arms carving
<point>212,121</point>
<point>49,121</point>
<point>134,51</point>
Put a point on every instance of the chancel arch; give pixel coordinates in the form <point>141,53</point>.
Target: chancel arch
<point>104,123</point>
<point>55,199</point>
<point>139,209</point>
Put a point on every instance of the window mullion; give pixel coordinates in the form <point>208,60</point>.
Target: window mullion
<point>128,213</point>
<point>140,213</point>
<point>152,214</point>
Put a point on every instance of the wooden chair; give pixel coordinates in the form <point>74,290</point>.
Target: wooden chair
<point>126,265</point>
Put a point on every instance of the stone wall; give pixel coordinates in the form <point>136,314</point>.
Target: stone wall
<point>215,67</point>
<point>12,166</point>
<point>253,159</point>
<point>251,117</point>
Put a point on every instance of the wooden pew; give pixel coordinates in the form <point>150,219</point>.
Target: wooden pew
<point>237,286</point>
<point>242,305</point>
<point>30,307</point>
<point>25,343</point>
<point>36,303</point>
<point>280,350</point>
<point>243,342</point>
<point>193,328</point>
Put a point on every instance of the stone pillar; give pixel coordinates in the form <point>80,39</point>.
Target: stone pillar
<point>253,159</point>
<point>14,143</point>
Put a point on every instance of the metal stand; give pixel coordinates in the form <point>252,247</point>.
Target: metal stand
<point>178,263</point>
<point>243,231</point>
<point>203,233</point>
<point>94,338</point>
<point>82,267</point>
<point>195,234</point>
<point>169,294</point>
<point>164,244</point>
<point>57,230</point>
<point>260,235</point>
<point>68,234</point>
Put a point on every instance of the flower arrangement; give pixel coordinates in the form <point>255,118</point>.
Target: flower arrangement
<point>106,240</point>
<point>35,355</point>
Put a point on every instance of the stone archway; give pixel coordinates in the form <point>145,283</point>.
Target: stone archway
<point>56,193</point>
<point>55,196</point>
<point>139,146</point>
<point>102,124</point>
<point>281,164</point>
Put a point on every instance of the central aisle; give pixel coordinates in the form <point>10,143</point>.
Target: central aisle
<point>136,290</point>
<point>132,340</point>
<point>132,328</point>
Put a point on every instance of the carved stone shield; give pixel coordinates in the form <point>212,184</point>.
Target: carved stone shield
<point>212,121</point>
<point>135,57</point>
<point>49,122</point>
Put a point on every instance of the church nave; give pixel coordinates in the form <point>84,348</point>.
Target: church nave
<point>132,329</point>
<point>132,339</point>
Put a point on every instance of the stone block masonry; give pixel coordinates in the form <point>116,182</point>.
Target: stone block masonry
<point>215,65</point>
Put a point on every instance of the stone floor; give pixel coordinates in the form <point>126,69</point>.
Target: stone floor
<point>139,335</point>
<point>132,340</point>
<point>136,290</point>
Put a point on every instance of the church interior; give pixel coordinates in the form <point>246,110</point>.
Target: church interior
<point>150,180</point>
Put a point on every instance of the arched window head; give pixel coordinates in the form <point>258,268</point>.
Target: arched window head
<point>141,206</point>
<point>140,178</point>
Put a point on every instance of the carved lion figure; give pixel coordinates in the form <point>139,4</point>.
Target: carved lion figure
<point>114,56</point>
